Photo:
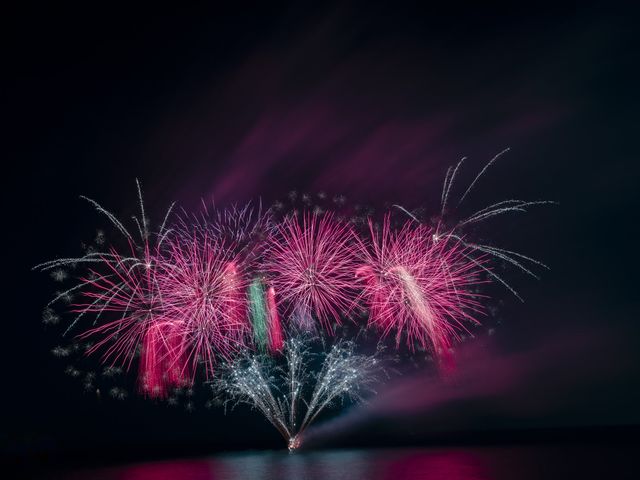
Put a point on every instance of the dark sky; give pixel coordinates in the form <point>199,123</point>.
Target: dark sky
<point>367,99</point>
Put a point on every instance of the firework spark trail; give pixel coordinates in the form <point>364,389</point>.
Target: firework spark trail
<point>475,180</point>
<point>310,264</point>
<point>162,359</point>
<point>276,392</point>
<point>248,381</point>
<point>448,182</point>
<point>244,227</point>
<point>128,292</point>
<point>475,250</point>
<point>343,373</point>
<point>416,285</point>
<point>276,337</point>
<point>259,314</point>
<point>140,254</point>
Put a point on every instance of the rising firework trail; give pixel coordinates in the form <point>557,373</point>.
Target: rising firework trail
<point>276,335</point>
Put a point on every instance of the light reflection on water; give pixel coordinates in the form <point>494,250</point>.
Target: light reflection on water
<point>338,465</point>
<point>392,464</point>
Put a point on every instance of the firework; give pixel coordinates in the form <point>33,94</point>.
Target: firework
<point>206,295</point>
<point>416,286</point>
<point>162,363</point>
<point>203,293</point>
<point>310,264</point>
<point>455,230</point>
<point>119,292</point>
<point>267,331</point>
<point>278,392</point>
<point>243,228</point>
<point>276,339</point>
<point>259,314</point>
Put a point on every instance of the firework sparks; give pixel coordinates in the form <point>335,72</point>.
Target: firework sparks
<point>259,314</point>
<point>242,228</point>
<point>417,286</point>
<point>203,292</point>
<point>276,338</point>
<point>310,264</point>
<point>476,251</point>
<point>120,293</point>
<point>162,359</point>
<point>277,391</point>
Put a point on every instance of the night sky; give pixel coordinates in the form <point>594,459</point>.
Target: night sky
<point>368,100</point>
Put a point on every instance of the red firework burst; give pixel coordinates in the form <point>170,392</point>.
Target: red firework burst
<point>417,284</point>
<point>310,263</point>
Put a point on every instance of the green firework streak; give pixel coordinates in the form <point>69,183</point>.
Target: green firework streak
<point>258,311</point>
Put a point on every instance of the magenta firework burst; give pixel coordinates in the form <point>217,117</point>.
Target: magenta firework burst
<point>417,285</point>
<point>125,293</point>
<point>203,295</point>
<point>310,262</point>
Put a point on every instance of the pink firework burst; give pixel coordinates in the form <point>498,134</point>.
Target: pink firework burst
<point>310,264</point>
<point>203,294</point>
<point>125,295</point>
<point>417,285</point>
<point>127,304</point>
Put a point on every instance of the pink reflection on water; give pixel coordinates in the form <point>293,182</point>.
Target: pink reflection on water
<point>185,469</point>
<point>453,465</point>
<point>346,464</point>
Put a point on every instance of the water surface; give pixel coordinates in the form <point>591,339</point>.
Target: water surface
<point>480,463</point>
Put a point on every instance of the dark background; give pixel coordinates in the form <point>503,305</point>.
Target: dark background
<point>366,99</point>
